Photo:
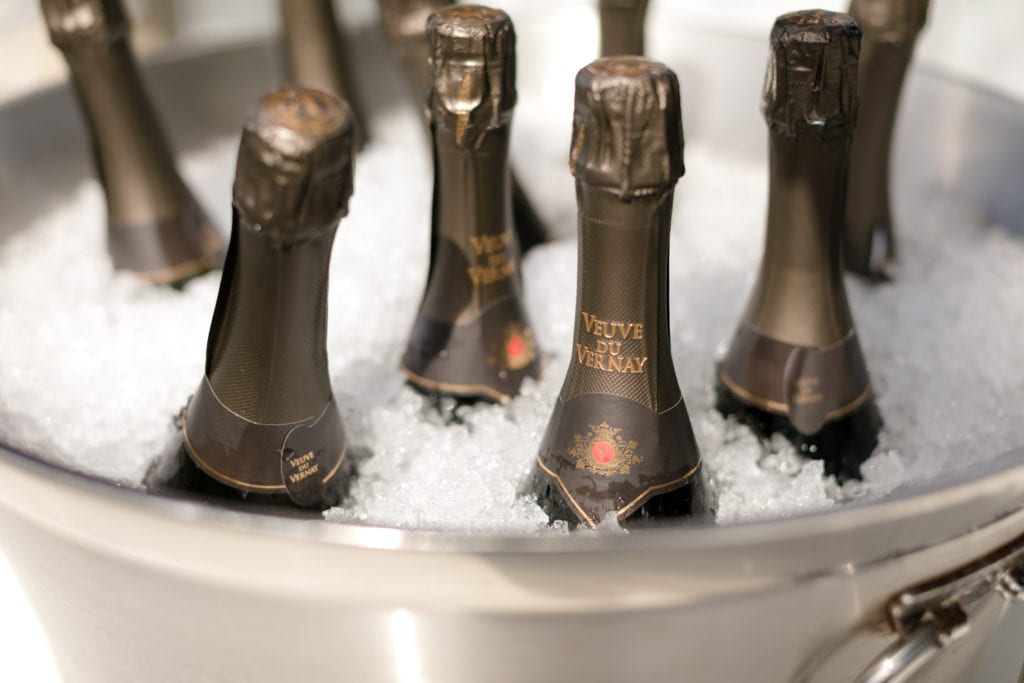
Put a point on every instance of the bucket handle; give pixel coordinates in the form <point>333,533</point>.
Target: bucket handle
<point>931,616</point>
<point>901,661</point>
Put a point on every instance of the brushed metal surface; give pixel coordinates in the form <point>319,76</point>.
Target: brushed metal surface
<point>132,587</point>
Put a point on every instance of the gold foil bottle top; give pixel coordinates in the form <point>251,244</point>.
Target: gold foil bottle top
<point>811,81</point>
<point>627,127</point>
<point>294,171</point>
<point>890,21</point>
<point>473,64</point>
<point>83,23</point>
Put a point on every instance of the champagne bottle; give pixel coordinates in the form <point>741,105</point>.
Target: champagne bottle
<point>263,425</point>
<point>405,23</point>
<point>155,227</point>
<point>316,54</point>
<point>795,365</point>
<point>890,30</point>
<point>471,338</point>
<point>619,439</point>
<point>622,27</point>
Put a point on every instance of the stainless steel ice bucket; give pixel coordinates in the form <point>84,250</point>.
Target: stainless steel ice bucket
<point>130,587</point>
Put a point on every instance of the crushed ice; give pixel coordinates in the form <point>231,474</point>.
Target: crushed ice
<point>94,365</point>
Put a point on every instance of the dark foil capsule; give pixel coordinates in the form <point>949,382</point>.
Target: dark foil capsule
<point>619,439</point>
<point>795,365</point>
<point>263,425</point>
<point>155,227</point>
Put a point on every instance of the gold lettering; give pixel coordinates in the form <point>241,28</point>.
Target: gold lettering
<point>489,244</point>
<point>497,265</point>
<point>302,461</point>
<point>499,269</point>
<point>303,474</point>
<point>611,330</point>
<point>606,359</point>
<point>807,391</point>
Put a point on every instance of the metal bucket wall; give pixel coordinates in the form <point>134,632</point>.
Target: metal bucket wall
<point>130,587</point>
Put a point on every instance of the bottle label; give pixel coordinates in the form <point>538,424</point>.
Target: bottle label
<point>619,347</point>
<point>611,454</point>
<point>811,386</point>
<point>299,459</point>
<point>489,356</point>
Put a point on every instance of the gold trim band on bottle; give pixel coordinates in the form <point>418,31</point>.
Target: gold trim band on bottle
<point>466,389</point>
<point>225,479</point>
<point>629,507</point>
<point>783,408</point>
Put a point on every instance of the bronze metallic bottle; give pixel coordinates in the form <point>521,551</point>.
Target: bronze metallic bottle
<point>890,30</point>
<point>471,338</point>
<point>263,425</point>
<point>619,439</point>
<point>795,365</point>
<point>154,225</point>
<point>404,23</point>
<point>622,27</point>
<point>316,54</point>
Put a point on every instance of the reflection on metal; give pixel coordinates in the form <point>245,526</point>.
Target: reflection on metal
<point>405,647</point>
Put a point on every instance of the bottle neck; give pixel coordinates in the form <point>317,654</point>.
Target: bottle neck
<point>474,259</point>
<point>621,342</point>
<point>622,27</point>
<point>313,46</point>
<point>133,159</point>
<point>266,355</point>
<point>799,297</point>
<point>883,66</point>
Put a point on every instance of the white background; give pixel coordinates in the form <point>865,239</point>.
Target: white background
<point>975,39</point>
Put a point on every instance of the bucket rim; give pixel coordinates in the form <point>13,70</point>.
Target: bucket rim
<point>973,496</point>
